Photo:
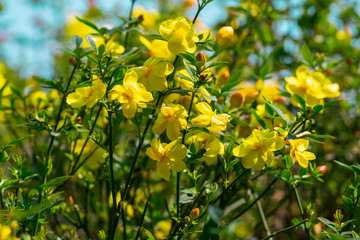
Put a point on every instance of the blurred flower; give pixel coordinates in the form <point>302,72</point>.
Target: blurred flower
<point>298,153</point>
<point>153,74</point>
<point>157,48</point>
<point>207,143</point>
<point>88,96</point>
<point>251,7</point>
<point>131,94</point>
<point>115,47</point>
<point>149,18</point>
<point>171,118</point>
<point>208,117</point>
<point>312,86</point>
<point>258,148</point>
<point>169,156</point>
<point>322,168</point>
<point>93,154</point>
<point>180,35</point>
<point>162,229</point>
<point>38,99</point>
<point>224,35</point>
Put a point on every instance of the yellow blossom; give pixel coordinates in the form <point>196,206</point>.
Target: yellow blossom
<point>207,143</point>
<point>93,154</point>
<point>224,35</point>
<point>180,35</point>
<point>171,118</point>
<point>208,117</point>
<point>298,153</point>
<point>148,17</point>
<point>115,47</point>
<point>38,99</point>
<point>258,148</point>
<point>168,156</point>
<point>153,74</point>
<point>312,86</point>
<point>88,96</point>
<point>131,94</point>
<point>157,48</point>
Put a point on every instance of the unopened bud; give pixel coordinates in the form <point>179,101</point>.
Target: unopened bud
<point>200,59</point>
<point>309,111</point>
<point>223,78</point>
<point>349,60</point>
<point>194,213</point>
<point>71,200</point>
<point>202,78</point>
<point>87,78</point>
<point>203,151</point>
<point>224,35</point>
<point>78,119</point>
<point>280,99</point>
<point>72,61</point>
<point>140,18</point>
<point>329,72</point>
<point>322,168</point>
<point>251,96</point>
<point>236,100</point>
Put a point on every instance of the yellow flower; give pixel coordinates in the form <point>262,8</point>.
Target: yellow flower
<point>93,154</point>
<point>207,143</point>
<point>171,118</point>
<point>116,48</point>
<point>169,156</point>
<point>258,148</point>
<point>225,35</point>
<point>153,74</point>
<point>88,96</point>
<point>208,117</point>
<point>312,86</point>
<point>189,85</point>
<point>298,153</point>
<point>148,17</point>
<point>157,48</point>
<point>180,35</point>
<point>131,94</point>
<point>38,99</point>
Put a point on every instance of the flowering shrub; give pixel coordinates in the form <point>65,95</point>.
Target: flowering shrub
<point>165,129</point>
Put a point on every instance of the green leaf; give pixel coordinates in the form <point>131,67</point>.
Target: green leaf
<point>214,64</point>
<point>321,136</point>
<point>269,109</point>
<point>307,55</point>
<point>344,165</point>
<point>188,57</point>
<point>148,234</point>
<point>91,42</point>
<point>258,118</point>
<point>332,102</point>
<point>347,200</point>
<point>7,183</point>
<point>301,101</point>
<point>75,41</point>
<point>288,162</point>
<point>50,83</point>
<point>128,55</point>
<point>316,109</point>
<point>89,23</point>
<point>286,175</point>
<point>55,181</point>
<point>265,69</point>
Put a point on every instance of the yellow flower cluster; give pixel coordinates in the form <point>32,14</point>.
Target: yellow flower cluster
<point>313,86</point>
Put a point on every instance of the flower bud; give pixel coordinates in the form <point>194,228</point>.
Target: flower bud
<point>224,35</point>
<point>140,18</point>
<point>236,100</point>
<point>280,99</point>
<point>202,78</point>
<point>78,119</point>
<point>189,3</point>
<point>322,168</point>
<point>200,59</point>
<point>223,78</point>
<point>251,96</point>
<point>194,213</point>
<point>72,61</point>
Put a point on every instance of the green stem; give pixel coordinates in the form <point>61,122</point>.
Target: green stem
<point>262,216</point>
<point>230,185</point>
<point>257,199</point>
<point>285,229</point>
<point>47,160</point>
<point>127,35</point>
<point>111,163</point>
<point>142,218</point>
<point>298,200</point>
